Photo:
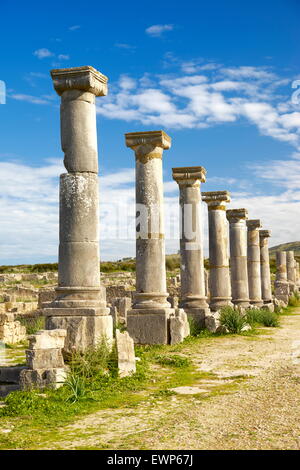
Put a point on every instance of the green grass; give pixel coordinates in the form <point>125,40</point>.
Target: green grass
<point>32,324</point>
<point>262,317</point>
<point>233,320</point>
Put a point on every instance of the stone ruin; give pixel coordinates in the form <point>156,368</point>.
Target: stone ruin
<point>84,306</point>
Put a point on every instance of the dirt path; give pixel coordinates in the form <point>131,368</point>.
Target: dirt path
<point>251,401</point>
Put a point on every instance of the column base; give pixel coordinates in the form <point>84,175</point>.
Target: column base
<point>85,327</point>
<point>197,315</point>
<point>242,303</point>
<point>256,303</point>
<point>151,326</point>
<point>218,302</point>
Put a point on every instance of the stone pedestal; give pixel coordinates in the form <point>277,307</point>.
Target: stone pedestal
<point>193,299</point>
<point>266,288</point>
<point>282,288</point>
<point>219,274</point>
<point>238,256</point>
<point>254,276</point>
<point>79,306</point>
<point>148,320</point>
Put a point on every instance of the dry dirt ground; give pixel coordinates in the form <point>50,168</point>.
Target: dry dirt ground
<point>249,398</point>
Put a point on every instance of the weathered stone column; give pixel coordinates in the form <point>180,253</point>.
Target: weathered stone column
<point>290,267</point>
<point>297,273</point>
<point>219,275</point>
<point>254,277</point>
<point>266,288</point>
<point>80,306</point>
<point>238,256</point>
<point>193,299</point>
<point>282,288</point>
<point>148,321</point>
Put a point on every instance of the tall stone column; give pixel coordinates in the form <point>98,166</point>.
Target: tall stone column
<point>80,306</point>
<point>238,256</point>
<point>266,288</point>
<point>297,273</point>
<point>282,288</point>
<point>193,298</point>
<point>290,267</point>
<point>219,274</point>
<point>148,321</point>
<point>254,276</point>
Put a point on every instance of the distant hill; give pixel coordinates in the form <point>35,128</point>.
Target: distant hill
<point>293,246</point>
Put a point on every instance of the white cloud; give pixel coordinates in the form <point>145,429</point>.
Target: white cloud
<point>43,53</point>
<point>74,27</point>
<point>63,57</point>
<point>212,96</point>
<point>157,30</point>
<point>29,98</point>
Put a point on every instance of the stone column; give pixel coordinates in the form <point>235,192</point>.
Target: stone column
<point>148,321</point>
<point>297,273</point>
<point>290,266</point>
<point>193,299</point>
<point>219,275</point>
<point>254,277</point>
<point>238,256</point>
<point>282,288</point>
<point>266,288</point>
<point>80,306</point>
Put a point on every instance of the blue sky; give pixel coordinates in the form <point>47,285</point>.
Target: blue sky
<point>217,76</point>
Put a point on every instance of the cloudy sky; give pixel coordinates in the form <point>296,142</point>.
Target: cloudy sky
<point>219,77</point>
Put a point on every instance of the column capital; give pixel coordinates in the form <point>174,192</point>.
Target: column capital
<point>189,175</point>
<point>234,215</point>
<point>253,224</point>
<point>265,233</point>
<point>84,78</point>
<point>148,145</point>
<point>216,200</point>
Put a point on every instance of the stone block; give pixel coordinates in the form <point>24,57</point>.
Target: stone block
<point>126,355</point>
<point>11,374</point>
<point>48,339</point>
<point>42,378</point>
<point>82,331</point>
<point>44,358</point>
<point>213,324</point>
<point>179,326</point>
<point>197,315</point>
<point>149,326</point>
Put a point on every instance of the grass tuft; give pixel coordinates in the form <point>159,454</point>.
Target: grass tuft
<point>232,319</point>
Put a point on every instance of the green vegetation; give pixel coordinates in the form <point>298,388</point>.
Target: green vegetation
<point>29,268</point>
<point>261,317</point>
<point>32,324</point>
<point>233,320</point>
<point>294,300</point>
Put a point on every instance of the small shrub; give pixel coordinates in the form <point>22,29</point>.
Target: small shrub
<point>32,324</point>
<point>269,318</point>
<point>232,319</point>
<point>77,387</point>
<point>294,300</point>
<point>195,328</point>
<point>93,362</point>
<point>261,317</point>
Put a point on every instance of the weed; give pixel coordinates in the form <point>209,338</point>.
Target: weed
<point>232,319</point>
